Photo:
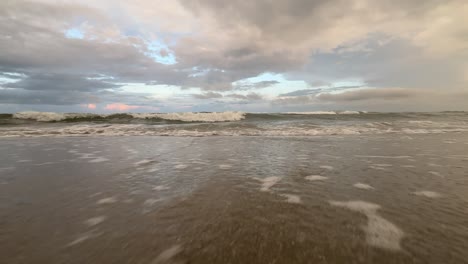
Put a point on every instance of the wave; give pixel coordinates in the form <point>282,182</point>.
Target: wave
<point>183,117</point>
<point>194,117</point>
<point>327,113</point>
<point>202,130</point>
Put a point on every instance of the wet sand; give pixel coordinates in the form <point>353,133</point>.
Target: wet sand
<point>353,199</point>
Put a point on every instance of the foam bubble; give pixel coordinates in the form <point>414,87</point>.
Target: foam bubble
<point>292,198</point>
<point>143,162</point>
<point>225,166</point>
<point>97,160</point>
<point>363,186</point>
<point>108,200</point>
<point>160,188</point>
<point>95,220</point>
<point>315,178</point>
<point>326,167</point>
<point>379,231</point>
<point>382,165</point>
<point>167,254</point>
<point>268,182</point>
<point>429,194</point>
<point>383,157</point>
<point>435,173</point>
<point>378,168</point>
<point>150,202</point>
<point>83,237</point>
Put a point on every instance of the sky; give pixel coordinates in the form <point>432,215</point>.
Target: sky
<point>233,55</point>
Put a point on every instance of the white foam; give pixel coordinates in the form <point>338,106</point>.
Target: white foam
<point>292,198</point>
<point>194,117</point>
<point>429,194</point>
<point>435,173</point>
<point>379,231</point>
<point>363,186</point>
<point>382,165</point>
<point>383,157</point>
<point>108,200</point>
<point>167,255</point>
<point>160,188</point>
<point>97,160</point>
<point>326,167</point>
<point>95,220</point>
<point>51,116</point>
<point>315,178</point>
<point>268,182</point>
<point>378,168</point>
<point>143,162</point>
<point>83,237</point>
<point>408,166</point>
<point>225,166</point>
<point>150,202</point>
<point>180,166</point>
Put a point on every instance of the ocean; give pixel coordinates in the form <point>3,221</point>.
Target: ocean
<point>232,187</point>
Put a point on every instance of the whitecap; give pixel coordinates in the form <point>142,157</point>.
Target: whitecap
<point>326,167</point>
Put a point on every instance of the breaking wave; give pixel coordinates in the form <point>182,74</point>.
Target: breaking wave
<point>184,117</point>
<point>31,124</point>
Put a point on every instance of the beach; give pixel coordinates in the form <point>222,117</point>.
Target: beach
<point>354,198</point>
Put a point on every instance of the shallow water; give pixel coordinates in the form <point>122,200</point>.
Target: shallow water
<point>353,199</point>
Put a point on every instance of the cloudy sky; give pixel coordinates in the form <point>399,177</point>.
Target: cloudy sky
<point>220,55</point>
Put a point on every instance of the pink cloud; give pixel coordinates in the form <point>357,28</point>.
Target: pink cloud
<point>121,107</point>
<point>91,106</point>
<point>126,107</point>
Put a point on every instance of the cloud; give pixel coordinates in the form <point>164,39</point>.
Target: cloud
<point>60,82</point>
<point>123,107</point>
<point>369,94</point>
<point>255,85</point>
<point>208,95</point>
<point>218,45</point>
<point>247,97</point>
<point>91,106</point>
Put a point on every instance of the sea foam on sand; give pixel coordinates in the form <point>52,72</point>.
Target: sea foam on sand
<point>268,182</point>
<point>315,178</point>
<point>363,186</point>
<point>292,198</point>
<point>429,194</point>
<point>379,231</point>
